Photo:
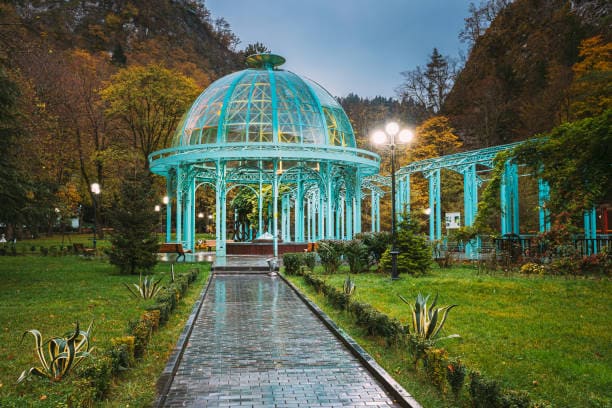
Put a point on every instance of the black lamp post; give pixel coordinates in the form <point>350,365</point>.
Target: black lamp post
<point>387,138</point>
<point>95,189</point>
<point>158,210</point>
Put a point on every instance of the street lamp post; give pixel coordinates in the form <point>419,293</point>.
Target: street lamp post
<point>201,217</point>
<point>165,201</point>
<point>158,210</point>
<point>387,138</point>
<point>95,189</point>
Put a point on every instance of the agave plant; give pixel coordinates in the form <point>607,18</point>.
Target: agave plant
<point>349,286</point>
<point>427,322</point>
<point>145,288</point>
<point>62,353</point>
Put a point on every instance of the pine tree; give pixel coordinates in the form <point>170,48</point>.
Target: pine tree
<point>414,253</point>
<point>134,244</point>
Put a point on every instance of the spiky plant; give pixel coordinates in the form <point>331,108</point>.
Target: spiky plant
<point>349,286</point>
<point>427,322</point>
<point>62,353</point>
<point>145,288</point>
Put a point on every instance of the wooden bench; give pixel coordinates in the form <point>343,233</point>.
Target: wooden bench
<point>173,248</point>
<point>80,249</point>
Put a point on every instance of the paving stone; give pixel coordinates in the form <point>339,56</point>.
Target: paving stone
<point>256,344</point>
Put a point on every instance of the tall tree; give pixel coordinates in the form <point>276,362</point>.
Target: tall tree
<point>147,104</point>
<point>428,87</point>
<point>255,48</point>
<point>13,193</point>
<point>479,19</point>
<point>592,86</point>
<point>134,222</point>
<point>433,138</point>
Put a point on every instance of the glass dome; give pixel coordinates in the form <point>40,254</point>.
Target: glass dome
<point>264,104</point>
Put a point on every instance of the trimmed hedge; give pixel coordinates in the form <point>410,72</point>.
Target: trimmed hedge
<point>95,378</point>
<point>443,371</point>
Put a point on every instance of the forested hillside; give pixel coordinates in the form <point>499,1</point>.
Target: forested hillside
<point>517,81</point>
<point>60,131</point>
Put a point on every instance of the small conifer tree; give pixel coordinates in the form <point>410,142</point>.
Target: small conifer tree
<point>414,253</point>
<point>134,243</point>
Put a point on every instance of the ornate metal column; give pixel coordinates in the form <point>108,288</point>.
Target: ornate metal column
<point>435,214</point>
<point>275,208</point>
<point>221,213</point>
<point>590,231</point>
<point>180,182</point>
<point>470,205</point>
<point>299,210</point>
<point>509,200</point>
<point>169,190</point>
<point>543,212</point>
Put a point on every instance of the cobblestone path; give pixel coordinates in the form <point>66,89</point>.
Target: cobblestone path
<point>256,344</point>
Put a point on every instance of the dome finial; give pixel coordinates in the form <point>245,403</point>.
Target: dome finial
<point>266,61</point>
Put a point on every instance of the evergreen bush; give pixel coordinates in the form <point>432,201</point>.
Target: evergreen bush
<point>414,253</point>
<point>134,243</point>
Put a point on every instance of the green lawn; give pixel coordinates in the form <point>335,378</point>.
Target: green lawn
<point>52,293</point>
<point>549,336</point>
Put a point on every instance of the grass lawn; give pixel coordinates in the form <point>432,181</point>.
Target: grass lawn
<point>52,293</point>
<point>549,336</point>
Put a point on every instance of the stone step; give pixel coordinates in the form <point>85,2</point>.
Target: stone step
<point>247,272</point>
<point>240,269</point>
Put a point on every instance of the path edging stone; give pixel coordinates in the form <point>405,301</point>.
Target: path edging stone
<point>403,397</point>
<point>164,382</point>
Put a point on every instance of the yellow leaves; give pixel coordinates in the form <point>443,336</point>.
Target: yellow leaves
<point>596,56</point>
<point>592,87</point>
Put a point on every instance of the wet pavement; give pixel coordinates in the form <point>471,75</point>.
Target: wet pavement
<point>256,344</point>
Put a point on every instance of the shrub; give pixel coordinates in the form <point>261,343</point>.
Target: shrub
<point>376,243</point>
<point>330,254</point>
<point>152,318</point>
<point>122,353</point>
<point>356,255</point>
<point>455,374</point>
<point>292,263</point>
<point>84,394</point>
<point>414,252</point>
<point>141,331</point>
<point>310,260</point>
<point>484,393</point>
<point>531,268</point>
<point>514,399</point>
<point>99,375</point>
<point>376,323</point>
<point>337,298</point>
<point>435,364</point>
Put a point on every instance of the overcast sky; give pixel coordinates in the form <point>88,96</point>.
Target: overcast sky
<point>358,46</point>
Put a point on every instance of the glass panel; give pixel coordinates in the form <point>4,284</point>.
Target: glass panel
<point>235,133</point>
<point>209,135</point>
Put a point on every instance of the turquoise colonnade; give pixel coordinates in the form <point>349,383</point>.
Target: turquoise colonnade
<point>280,136</point>
<point>471,165</point>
